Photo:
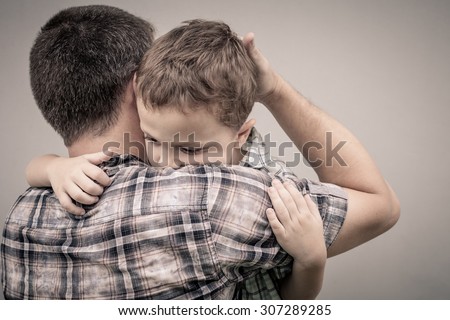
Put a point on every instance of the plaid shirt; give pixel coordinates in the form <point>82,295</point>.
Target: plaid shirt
<point>191,233</point>
<point>331,201</point>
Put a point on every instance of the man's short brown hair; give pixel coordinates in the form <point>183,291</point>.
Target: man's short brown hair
<point>80,65</point>
<point>199,64</point>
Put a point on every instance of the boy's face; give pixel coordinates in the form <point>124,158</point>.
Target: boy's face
<point>175,138</point>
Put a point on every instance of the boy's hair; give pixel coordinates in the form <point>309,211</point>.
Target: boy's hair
<point>199,64</point>
<point>80,64</point>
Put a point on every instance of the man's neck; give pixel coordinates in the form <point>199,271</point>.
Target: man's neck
<point>118,141</point>
<point>124,137</point>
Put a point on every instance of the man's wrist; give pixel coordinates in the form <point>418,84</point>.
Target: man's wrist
<point>274,94</point>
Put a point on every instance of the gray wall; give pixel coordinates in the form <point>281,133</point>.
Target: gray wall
<point>381,67</point>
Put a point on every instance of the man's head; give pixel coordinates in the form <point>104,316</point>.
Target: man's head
<point>80,65</point>
<point>201,75</point>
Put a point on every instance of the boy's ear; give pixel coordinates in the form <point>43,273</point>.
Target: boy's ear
<point>244,131</point>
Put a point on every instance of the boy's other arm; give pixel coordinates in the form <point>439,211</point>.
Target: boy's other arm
<point>298,228</point>
<point>373,207</point>
<point>76,178</point>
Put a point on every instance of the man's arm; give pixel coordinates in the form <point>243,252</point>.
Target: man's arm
<point>373,207</point>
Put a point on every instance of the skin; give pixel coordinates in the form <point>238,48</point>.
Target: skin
<point>194,136</point>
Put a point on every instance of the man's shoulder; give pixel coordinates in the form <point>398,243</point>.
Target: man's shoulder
<point>32,196</point>
<point>189,179</point>
<point>137,188</point>
<point>29,206</point>
<point>126,172</point>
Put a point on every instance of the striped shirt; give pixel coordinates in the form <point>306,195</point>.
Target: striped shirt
<point>190,233</point>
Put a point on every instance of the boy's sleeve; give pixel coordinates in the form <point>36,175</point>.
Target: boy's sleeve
<point>332,203</point>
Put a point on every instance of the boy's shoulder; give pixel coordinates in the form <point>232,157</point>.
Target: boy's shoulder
<point>258,156</point>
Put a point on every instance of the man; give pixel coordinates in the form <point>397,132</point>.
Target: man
<point>187,233</point>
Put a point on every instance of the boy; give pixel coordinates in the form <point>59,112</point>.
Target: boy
<point>195,88</point>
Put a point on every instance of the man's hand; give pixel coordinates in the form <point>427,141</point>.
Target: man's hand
<point>79,179</point>
<point>268,79</point>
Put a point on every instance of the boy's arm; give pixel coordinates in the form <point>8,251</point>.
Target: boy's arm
<point>76,178</point>
<point>373,207</point>
<point>298,227</point>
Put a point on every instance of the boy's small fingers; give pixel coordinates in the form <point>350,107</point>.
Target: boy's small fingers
<point>296,195</point>
<point>278,204</point>
<point>87,185</point>
<point>275,224</point>
<point>68,205</point>
<point>286,197</point>
<point>79,195</point>
<point>98,157</point>
<point>97,174</point>
<point>112,151</point>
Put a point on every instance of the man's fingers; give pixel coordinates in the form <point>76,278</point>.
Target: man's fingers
<point>252,50</point>
<point>249,41</point>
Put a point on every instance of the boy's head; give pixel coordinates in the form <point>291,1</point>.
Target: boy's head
<point>80,65</point>
<point>195,88</point>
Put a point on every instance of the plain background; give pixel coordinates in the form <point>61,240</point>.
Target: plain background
<point>380,67</point>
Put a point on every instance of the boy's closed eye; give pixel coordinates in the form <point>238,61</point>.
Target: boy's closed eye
<point>191,151</point>
<point>152,140</point>
<point>185,150</point>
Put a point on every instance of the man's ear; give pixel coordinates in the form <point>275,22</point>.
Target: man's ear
<point>244,131</point>
<point>128,96</point>
<point>134,82</point>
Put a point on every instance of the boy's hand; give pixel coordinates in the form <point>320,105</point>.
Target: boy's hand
<point>79,179</point>
<point>268,79</point>
<point>297,225</point>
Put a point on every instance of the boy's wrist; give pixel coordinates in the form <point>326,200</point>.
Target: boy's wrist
<point>50,168</point>
<point>310,266</point>
<point>304,282</point>
<point>314,261</point>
